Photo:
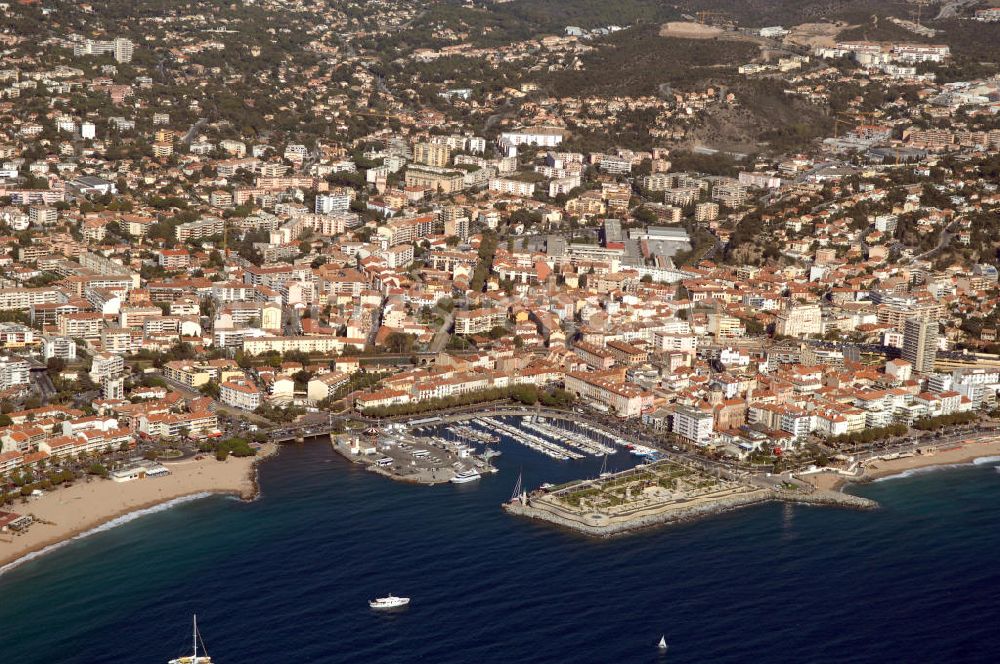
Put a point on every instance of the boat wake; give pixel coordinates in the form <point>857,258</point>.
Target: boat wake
<point>979,461</point>
<point>108,525</point>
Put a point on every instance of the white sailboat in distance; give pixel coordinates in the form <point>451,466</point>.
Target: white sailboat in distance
<point>194,658</point>
<point>663,642</point>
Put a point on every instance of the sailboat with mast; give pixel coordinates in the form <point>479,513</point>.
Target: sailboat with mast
<point>519,494</point>
<point>194,658</point>
<point>604,467</point>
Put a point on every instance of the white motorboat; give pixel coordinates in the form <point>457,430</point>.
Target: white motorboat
<point>465,476</point>
<point>390,602</point>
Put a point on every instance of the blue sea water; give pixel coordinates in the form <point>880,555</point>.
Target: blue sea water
<point>286,578</point>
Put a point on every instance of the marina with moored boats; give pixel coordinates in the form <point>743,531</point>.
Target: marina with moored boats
<point>662,487</point>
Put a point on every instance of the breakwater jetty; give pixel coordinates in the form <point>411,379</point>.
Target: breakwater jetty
<point>657,494</point>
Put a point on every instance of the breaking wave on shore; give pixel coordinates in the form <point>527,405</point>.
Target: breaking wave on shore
<point>107,525</point>
<point>912,472</point>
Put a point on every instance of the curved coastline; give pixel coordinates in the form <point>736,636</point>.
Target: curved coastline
<point>113,521</point>
<point>248,489</point>
<point>122,503</point>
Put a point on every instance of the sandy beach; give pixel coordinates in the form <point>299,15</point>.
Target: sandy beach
<point>875,469</point>
<point>66,512</point>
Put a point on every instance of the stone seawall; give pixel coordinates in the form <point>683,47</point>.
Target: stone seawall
<point>679,513</point>
<point>831,499</point>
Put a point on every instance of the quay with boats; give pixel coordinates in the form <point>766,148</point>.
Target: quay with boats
<point>465,476</point>
<point>459,452</point>
<point>397,454</point>
<point>570,439</point>
<point>471,433</point>
<point>537,443</point>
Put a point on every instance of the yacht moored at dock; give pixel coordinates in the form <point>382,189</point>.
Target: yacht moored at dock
<point>465,476</point>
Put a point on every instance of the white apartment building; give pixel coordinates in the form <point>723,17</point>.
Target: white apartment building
<point>61,347</point>
<point>541,136</point>
<point>13,372</point>
<point>513,187</point>
<point>479,321</point>
<point>330,203</point>
<point>122,49</point>
<point>43,215</point>
<point>563,185</point>
<point>204,227</point>
<point>113,388</point>
<point>693,425</point>
<point>615,165</point>
<point>799,321</point>
<point>171,425</point>
<point>105,365</point>
<point>240,394</point>
<point>23,298</point>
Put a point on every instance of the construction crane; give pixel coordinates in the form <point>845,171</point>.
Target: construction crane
<point>704,15</point>
<point>920,6</point>
<point>839,119</point>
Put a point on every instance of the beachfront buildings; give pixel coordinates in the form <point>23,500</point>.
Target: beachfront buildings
<point>87,441</point>
<point>174,425</point>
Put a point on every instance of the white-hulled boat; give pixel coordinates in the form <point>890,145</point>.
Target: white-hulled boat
<point>390,602</point>
<point>662,645</point>
<point>194,658</point>
<point>465,476</point>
